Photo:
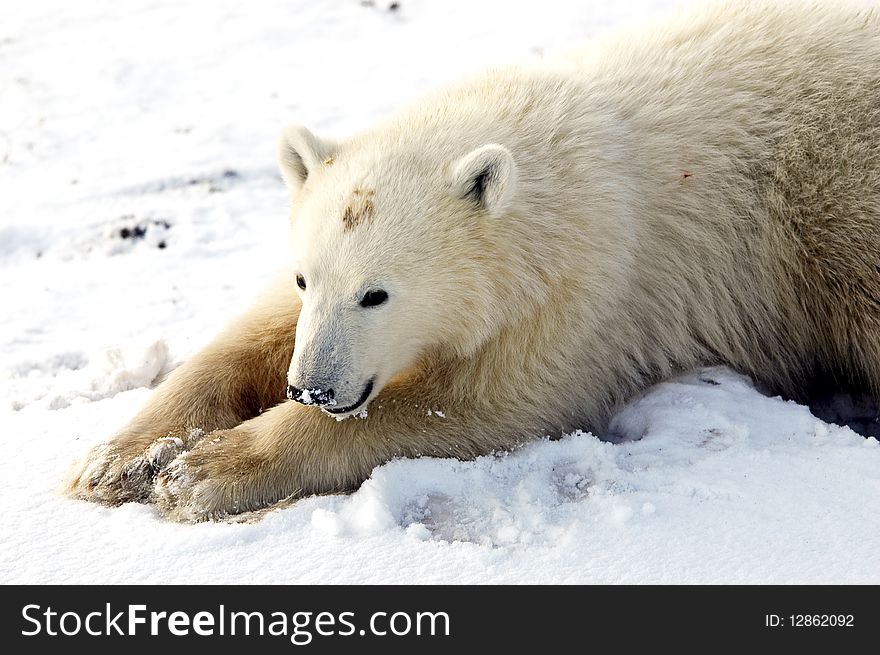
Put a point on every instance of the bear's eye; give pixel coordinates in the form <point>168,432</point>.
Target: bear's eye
<point>301,282</point>
<point>374,298</point>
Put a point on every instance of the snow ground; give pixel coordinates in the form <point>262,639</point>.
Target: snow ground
<point>157,120</point>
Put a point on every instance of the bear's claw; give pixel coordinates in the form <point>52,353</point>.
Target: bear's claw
<point>123,471</point>
<point>110,477</point>
<point>217,479</point>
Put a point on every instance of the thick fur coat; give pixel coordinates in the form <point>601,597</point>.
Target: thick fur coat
<point>549,240</point>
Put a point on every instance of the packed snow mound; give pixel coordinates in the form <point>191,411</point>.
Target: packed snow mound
<point>709,481</point>
<point>69,378</point>
<point>711,427</point>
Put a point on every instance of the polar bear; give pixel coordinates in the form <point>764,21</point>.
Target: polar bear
<point>515,256</point>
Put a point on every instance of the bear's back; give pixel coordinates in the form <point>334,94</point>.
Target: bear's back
<point>706,192</point>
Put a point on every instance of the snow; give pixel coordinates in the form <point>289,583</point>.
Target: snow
<point>141,207</point>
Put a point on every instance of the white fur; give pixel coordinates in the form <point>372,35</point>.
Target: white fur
<point>629,190</point>
<point>491,166</point>
<point>702,192</point>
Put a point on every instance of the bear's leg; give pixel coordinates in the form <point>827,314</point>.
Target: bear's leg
<point>241,373</point>
<point>294,450</point>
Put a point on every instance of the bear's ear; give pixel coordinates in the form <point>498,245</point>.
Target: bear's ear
<point>300,151</point>
<point>486,177</point>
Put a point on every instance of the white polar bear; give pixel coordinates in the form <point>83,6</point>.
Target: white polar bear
<point>528,249</point>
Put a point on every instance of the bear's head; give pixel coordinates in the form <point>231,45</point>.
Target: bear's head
<point>392,248</point>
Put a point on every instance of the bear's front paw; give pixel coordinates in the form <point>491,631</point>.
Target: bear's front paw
<point>112,473</point>
<point>218,478</point>
<point>122,470</point>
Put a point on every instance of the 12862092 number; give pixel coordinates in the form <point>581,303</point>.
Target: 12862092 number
<point>821,620</point>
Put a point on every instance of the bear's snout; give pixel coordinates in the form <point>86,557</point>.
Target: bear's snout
<point>311,396</point>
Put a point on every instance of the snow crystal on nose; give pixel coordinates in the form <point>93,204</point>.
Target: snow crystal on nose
<point>315,396</point>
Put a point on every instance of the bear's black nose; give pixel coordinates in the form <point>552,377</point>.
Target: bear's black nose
<point>310,396</point>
